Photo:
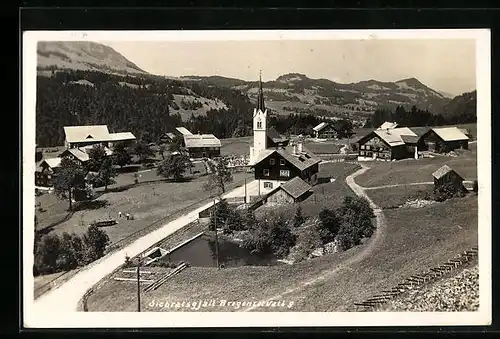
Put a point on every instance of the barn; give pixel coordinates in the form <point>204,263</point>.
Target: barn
<point>202,145</point>
<point>388,144</point>
<point>324,131</point>
<point>274,139</point>
<point>442,140</point>
<point>445,178</point>
<point>290,192</point>
<point>79,136</point>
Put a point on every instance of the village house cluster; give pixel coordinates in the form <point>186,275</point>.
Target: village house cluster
<point>391,142</point>
<point>78,142</point>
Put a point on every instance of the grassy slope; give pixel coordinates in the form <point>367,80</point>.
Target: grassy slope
<point>407,171</point>
<point>395,196</point>
<point>442,232</point>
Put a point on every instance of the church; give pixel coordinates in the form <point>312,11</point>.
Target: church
<point>276,159</point>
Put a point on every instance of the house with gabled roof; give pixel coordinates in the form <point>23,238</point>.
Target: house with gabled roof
<point>202,145</point>
<point>278,166</point>
<point>79,136</point>
<point>292,191</point>
<point>388,144</point>
<point>324,130</point>
<point>446,176</point>
<point>444,139</point>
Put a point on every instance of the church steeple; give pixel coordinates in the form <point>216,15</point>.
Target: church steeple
<point>260,98</point>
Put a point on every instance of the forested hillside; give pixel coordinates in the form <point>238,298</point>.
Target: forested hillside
<point>140,104</point>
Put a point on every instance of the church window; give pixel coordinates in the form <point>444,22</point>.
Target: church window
<point>266,172</point>
<point>259,124</point>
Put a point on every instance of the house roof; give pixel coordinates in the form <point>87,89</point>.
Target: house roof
<point>86,149</point>
<point>201,140</point>
<point>301,161</point>
<point>274,135</point>
<point>295,187</point>
<point>419,131</point>
<point>393,137</point>
<point>445,169</point>
<point>388,124</point>
<point>183,131</point>
<point>52,162</point>
<point>320,126</point>
<point>410,139</point>
<point>122,136</point>
<point>77,153</point>
<point>170,135</point>
<point>450,133</point>
<point>86,133</point>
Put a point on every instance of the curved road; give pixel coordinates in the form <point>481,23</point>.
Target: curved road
<point>66,297</point>
<point>376,239</point>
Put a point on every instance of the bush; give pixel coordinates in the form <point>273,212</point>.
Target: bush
<point>227,218</point>
<point>307,242</point>
<point>270,236</point>
<point>447,191</point>
<point>356,222</point>
<point>299,218</point>
<point>55,253</point>
<point>329,225</point>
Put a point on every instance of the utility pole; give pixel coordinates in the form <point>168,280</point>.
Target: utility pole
<point>245,190</point>
<point>216,238</point>
<point>139,284</point>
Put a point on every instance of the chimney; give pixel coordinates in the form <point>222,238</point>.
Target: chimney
<point>294,149</point>
<point>299,146</point>
<point>388,131</point>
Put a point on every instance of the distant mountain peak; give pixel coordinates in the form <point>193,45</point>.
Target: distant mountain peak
<point>411,82</point>
<point>292,77</point>
<point>83,55</point>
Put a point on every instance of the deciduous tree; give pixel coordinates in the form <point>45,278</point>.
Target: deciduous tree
<point>70,177</point>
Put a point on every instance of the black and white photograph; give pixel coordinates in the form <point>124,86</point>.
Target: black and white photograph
<point>303,178</point>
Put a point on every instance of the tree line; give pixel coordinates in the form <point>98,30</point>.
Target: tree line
<point>413,117</point>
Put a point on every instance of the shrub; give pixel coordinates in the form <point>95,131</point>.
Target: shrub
<point>329,225</point>
<point>307,242</point>
<point>47,253</point>
<point>227,218</point>
<point>95,241</point>
<point>270,236</point>
<point>447,191</point>
<point>356,222</point>
<point>299,218</point>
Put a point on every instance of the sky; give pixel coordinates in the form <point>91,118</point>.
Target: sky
<point>447,65</point>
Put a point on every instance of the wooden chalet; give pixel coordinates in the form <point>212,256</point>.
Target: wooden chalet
<point>447,176</point>
<point>277,166</point>
<point>324,131</point>
<point>442,140</point>
<point>388,144</point>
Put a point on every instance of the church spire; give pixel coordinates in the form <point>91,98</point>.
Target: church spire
<point>260,98</point>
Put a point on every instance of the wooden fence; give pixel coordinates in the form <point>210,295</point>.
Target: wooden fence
<point>415,280</point>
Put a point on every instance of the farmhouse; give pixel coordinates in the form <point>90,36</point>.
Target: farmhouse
<point>442,140</point>
<point>388,144</point>
<point>275,167</point>
<point>76,154</point>
<point>447,177</point>
<point>79,136</point>
<point>46,170</point>
<point>324,131</point>
<point>290,192</point>
<point>202,145</point>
